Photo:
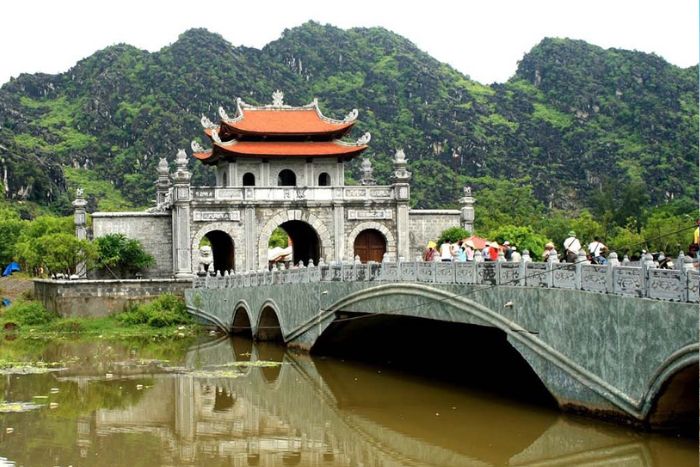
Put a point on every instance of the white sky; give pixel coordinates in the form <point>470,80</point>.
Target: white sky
<point>481,38</point>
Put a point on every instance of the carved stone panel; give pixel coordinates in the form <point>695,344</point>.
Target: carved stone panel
<point>594,277</point>
<point>355,214</point>
<point>536,275</point>
<point>211,216</point>
<point>627,281</point>
<point>564,276</point>
<point>510,274</point>
<point>665,284</point>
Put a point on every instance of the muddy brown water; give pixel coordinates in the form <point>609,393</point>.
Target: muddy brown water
<point>183,403</point>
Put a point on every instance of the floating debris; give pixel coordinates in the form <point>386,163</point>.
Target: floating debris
<point>53,390</point>
<point>17,407</point>
<point>109,375</point>
<point>139,387</point>
<point>9,430</point>
<point>53,405</point>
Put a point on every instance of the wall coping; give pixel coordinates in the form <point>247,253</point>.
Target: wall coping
<point>111,281</point>
<point>130,214</point>
<point>433,211</point>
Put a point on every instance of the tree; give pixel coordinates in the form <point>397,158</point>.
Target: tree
<point>31,247</point>
<point>453,235</point>
<point>62,253</point>
<point>121,255</point>
<point>524,238</point>
<point>11,227</point>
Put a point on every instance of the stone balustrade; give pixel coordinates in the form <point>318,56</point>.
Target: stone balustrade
<point>644,281</point>
<point>293,193</point>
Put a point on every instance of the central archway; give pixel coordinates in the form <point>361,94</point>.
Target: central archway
<point>310,237</point>
<point>306,245</point>
<point>370,245</point>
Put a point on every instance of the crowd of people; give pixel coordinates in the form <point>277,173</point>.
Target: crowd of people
<point>465,250</point>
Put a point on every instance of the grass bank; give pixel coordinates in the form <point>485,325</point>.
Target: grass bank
<point>165,317</point>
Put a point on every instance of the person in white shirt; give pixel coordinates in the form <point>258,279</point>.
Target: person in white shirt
<point>571,247</point>
<point>596,248</point>
<point>446,251</point>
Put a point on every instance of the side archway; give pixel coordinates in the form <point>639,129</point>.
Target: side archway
<point>390,239</point>
<point>325,246</point>
<point>221,236</point>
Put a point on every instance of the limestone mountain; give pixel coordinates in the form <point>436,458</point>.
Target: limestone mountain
<point>576,122</point>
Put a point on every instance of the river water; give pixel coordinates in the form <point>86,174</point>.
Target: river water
<point>181,402</point>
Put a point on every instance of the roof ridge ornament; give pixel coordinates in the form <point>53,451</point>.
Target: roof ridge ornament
<point>206,123</point>
<point>364,139</point>
<point>196,147</point>
<point>278,98</point>
<point>223,114</point>
<point>215,135</point>
<point>352,115</point>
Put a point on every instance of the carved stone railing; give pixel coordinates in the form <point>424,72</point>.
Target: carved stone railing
<point>682,284</point>
<point>292,193</point>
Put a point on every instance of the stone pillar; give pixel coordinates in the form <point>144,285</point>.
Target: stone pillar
<point>402,193</point>
<point>182,250</point>
<point>366,171</point>
<point>163,183</point>
<point>80,221</point>
<point>467,216</point>
<point>250,237</point>
<point>339,231</point>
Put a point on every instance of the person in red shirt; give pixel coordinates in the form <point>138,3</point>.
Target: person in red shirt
<point>493,251</point>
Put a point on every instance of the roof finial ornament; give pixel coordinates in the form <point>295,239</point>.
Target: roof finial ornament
<point>400,156</point>
<point>223,114</point>
<point>351,116</point>
<point>181,159</point>
<point>206,123</point>
<point>364,139</point>
<point>278,98</point>
<point>215,135</point>
<point>196,147</point>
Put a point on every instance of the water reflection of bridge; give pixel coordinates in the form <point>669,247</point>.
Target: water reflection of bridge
<point>307,412</point>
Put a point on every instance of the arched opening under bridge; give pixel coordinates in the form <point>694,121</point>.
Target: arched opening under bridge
<point>470,356</point>
<point>675,407</point>
<point>241,323</point>
<point>269,326</point>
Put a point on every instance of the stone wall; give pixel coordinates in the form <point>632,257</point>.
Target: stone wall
<point>96,298</point>
<point>153,230</point>
<point>428,224</point>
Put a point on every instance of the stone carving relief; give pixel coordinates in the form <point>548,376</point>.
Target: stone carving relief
<point>354,214</point>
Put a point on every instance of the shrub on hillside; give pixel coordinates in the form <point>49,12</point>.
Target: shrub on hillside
<point>166,310</point>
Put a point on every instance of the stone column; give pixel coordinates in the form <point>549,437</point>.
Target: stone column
<point>163,183</point>
<point>402,193</point>
<point>80,221</point>
<point>467,216</point>
<point>182,260</point>
<point>338,230</point>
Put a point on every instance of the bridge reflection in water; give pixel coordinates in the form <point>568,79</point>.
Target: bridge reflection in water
<point>325,412</point>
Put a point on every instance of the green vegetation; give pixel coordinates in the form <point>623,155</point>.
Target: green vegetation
<point>279,238</point>
<point>121,256</point>
<point>453,235</point>
<point>165,316</point>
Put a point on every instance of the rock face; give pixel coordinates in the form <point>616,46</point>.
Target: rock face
<point>573,118</point>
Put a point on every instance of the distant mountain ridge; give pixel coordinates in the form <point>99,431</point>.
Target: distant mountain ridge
<point>573,120</point>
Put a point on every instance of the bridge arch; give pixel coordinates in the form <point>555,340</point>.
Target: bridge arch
<point>269,327</point>
<point>241,322</point>
<point>221,235</point>
<point>364,226</point>
<point>671,398</point>
<point>303,223</point>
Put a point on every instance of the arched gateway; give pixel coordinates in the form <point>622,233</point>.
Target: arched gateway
<point>279,166</point>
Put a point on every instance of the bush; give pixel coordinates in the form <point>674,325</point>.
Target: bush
<point>28,314</point>
<point>166,310</point>
<point>68,326</point>
<point>453,235</point>
<point>522,237</point>
<point>116,252</point>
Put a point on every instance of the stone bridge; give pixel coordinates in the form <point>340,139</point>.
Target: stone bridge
<point>617,340</point>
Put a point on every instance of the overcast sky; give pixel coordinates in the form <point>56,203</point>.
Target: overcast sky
<point>481,38</point>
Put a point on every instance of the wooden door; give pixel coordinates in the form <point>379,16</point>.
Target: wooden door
<point>370,245</point>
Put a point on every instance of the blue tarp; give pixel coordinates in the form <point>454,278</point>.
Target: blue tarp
<point>12,267</point>
<point>5,302</point>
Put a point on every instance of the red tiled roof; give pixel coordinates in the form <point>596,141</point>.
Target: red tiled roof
<point>285,122</point>
<point>283,149</point>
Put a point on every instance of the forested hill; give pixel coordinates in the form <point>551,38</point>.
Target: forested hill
<point>578,123</point>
